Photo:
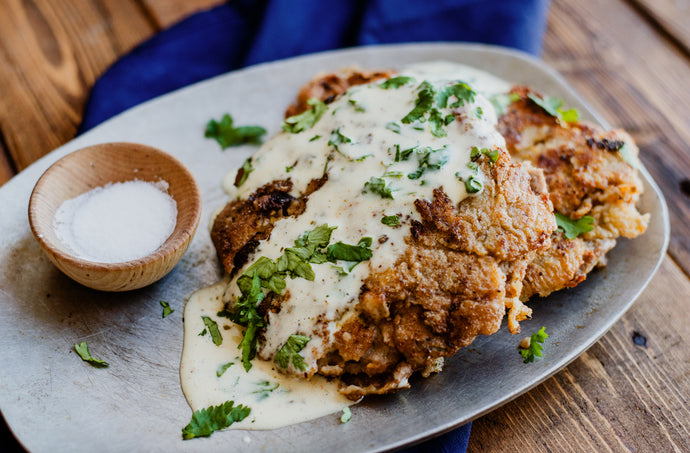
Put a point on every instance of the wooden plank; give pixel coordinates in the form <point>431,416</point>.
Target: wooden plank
<point>618,396</point>
<point>638,82</point>
<point>672,16</point>
<point>6,167</point>
<point>50,54</point>
<point>167,12</point>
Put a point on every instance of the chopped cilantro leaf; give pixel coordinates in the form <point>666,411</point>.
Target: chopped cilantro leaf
<point>361,158</point>
<point>574,228</point>
<point>378,186</point>
<point>306,119</point>
<point>223,368</point>
<point>535,347</point>
<point>473,184</point>
<point>314,138</point>
<point>265,388</point>
<point>243,173</point>
<point>393,174</point>
<point>393,126</point>
<point>244,313</point>
<point>212,327</point>
<point>479,112</point>
<point>428,160</point>
<point>289,352</point>
<point>203,332</point>
<point>404,154</point>
<point>437,123</point>
<point>166,308</point>
<point>391,220</point>
<point>206,421</point>
<point>501,101</point>
<point>462,92</point>
<point>227,135</point>
<point>83,350</point>
<point>338,139</point>
<point>425,100</point>
<point>492,154</point>
<point>627,156</point>
<point>356,105</point>
<point>552,106</point>
<point>397,82</point>
<point>347,252</point>
<point>347,415</point>
<point>289,168</point>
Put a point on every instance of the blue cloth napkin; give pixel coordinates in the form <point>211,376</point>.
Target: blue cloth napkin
<point>246,32</point>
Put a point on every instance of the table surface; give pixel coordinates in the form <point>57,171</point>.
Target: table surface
<point>629,58</point>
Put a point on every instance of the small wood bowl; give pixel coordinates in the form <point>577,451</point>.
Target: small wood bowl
<point>96,166</point>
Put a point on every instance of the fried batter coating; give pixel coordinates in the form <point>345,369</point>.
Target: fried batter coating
<point>327,87</point>
<point>462,269</point>
<point>586,175</point>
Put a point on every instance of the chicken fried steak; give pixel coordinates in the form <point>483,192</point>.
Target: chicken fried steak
<point>382,232</point>
<point>589,172</point>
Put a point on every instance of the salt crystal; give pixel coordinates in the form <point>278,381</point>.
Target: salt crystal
<point>117,222</point>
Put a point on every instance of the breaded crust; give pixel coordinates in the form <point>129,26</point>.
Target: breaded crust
<point>586,174</point>
<point>461,271</point>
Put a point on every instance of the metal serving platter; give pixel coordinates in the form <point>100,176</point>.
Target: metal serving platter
<point>54,401</point>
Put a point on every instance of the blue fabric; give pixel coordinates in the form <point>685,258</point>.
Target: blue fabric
<point>246,32</point>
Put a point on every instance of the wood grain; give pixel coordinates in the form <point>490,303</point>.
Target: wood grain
<point>618,71</point>
<point>51,51</point>
<point>618,396</point>
<point>672,17</point>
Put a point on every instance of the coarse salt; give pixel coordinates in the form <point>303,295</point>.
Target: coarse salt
<point>117,222</point>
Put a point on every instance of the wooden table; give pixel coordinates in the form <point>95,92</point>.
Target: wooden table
<point>629,58</point>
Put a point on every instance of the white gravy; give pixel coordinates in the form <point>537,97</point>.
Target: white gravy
<point>363,115</point>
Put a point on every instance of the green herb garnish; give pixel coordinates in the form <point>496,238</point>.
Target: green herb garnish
<point>246,169</point>
<point>397,82</point>
<point>310,248</point>
<point>223,368</point>
<point>226,134</point>
<point>425,100</point>
<point>426,161</point>
<point>212,327</point>
<point>462,92</point>
<point>306,119</point>
<point>338,139</point>
<point>501,101</point>
<point>535,347</point>
<point>391,220</point>
<point>289,168</point>
<point>83,350</point>
<point>347,415</point>
<point>289,352</point>
<point>393,126</point>
<point>265,387</point>
<point>346,252</point>
<point>356,105</point>
<point>378,186</point>
<point>244,313</point>
<point>552,106</point>
<point>314,138</point>
<point>473,184</point>
<point>574,228</point>
<point>627,156</point>
<point>206,421</point>
<point>166,308</point>
<point>492,154</point>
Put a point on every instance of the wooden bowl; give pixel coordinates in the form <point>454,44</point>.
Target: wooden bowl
<point>98,165</point>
